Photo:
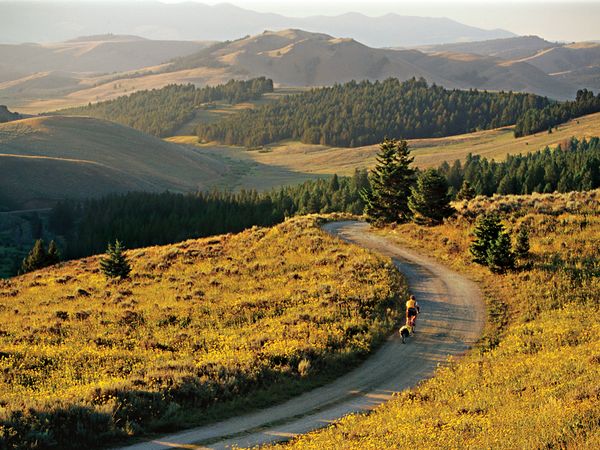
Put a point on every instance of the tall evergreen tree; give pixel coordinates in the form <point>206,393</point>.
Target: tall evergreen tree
<point>390,180</point>
<point>36,259</point>
<point>500,257</point>
<point>466,191</point>
<point>429,200</point>
<point>115,264</point>
<point>522,244</point>
<point>487,230</point>
<point>53,254</point>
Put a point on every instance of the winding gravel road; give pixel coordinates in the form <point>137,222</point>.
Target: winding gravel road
<point>451,320</point>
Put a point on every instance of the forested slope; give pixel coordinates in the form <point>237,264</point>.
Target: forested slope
<point>161,112</point>
<point>355,114</point>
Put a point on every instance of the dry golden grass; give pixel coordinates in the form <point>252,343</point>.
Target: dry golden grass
<point>318,159</point>
<point>533,381</point>
<point>240,320</point>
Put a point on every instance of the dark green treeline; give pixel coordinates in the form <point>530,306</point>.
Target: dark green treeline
<point>355,114</point>
<point>142,219</point>
<point>572,166</point>
<point>535,120</point>
<point>161,112</point>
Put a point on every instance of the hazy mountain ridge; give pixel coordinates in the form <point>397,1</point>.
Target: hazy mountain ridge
<point>575,63</point>
<point>95,54</point>
<point>509,48</point>
<point>28,21</point>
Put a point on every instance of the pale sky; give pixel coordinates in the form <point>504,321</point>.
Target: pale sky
<point>567,20</point>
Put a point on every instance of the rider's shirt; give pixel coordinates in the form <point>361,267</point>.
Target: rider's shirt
<point>411,304</point>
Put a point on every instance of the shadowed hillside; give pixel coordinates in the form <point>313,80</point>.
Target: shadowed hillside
<point>49,158</point>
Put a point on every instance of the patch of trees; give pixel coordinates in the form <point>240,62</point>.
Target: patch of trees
<point>8,116</point>
<point>572,166</point>
<point>40,257</point>
<point>161,112</point>
<point>355,114</point>
<point>142,219</point>
<point>398,193</point>
<point>535,120</point>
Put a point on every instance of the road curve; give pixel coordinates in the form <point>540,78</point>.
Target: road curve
<point>451,321</point>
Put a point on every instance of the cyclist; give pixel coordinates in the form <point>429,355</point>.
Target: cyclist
<point>412,310</point>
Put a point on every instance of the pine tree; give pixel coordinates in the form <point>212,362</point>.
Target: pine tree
<point>36,259</point>
<point>53,256</point>
<point>500,258</point>
<point>487,230</point>
<point>334,184</point>
<point>429,200</point>
<point>522,244</point>
<point>466,192</point>
<point>390,180</point>
<point>115,264</point>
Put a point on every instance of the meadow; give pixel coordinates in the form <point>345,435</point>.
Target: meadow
<point>308,159</point>
<point>532,381</point>
<point>201,330</point>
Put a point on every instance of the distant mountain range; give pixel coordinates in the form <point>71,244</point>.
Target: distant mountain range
<point>60,21</point>
<point>93,54</point>
<point>301,58</point>
<point>35,77</point>
<point>575,63</point>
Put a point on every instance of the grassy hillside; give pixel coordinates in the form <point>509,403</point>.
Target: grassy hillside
<point>48,158</point>
<point>202,328</point>
<point>318,159</point>
<point>506,48</point>
<point>299,58</point>
<point>533,380</point>
<point>30,72</point>
<point>291,58</point>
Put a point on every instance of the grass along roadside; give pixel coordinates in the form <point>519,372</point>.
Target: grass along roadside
<point>532,382</point>
<point>203,329</point>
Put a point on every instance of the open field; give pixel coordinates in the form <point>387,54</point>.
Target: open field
<point>203,328</point>
<point>322,160</point>
<point>533,380</point>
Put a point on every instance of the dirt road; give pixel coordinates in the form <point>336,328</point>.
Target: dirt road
<point>451,321</point>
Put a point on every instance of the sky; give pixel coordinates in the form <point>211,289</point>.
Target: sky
<point>567,20</point>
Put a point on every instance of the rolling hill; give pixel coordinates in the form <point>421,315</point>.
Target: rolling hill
<point>203,329</point>
<point>49,158</point>
<point>291,58</point>
<point>300,58</point>
<point>577,63</point>
<point>39,71</point>
<point>505,48</point>
<point>94,54</point>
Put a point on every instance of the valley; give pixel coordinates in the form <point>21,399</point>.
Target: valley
<point>218,224</point>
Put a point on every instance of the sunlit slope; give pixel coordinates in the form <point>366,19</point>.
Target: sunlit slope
<point>533,381</point>
<point>48,158</point>
<point>318,159</point>
<point>240,320</point>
